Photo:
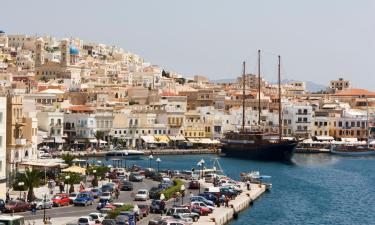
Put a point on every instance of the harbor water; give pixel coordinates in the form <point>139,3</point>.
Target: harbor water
<point>314,189</point>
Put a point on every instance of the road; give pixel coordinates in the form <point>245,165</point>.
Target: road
<point>125,196</point>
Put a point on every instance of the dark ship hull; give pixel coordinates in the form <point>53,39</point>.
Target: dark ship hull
<point>266,152</point>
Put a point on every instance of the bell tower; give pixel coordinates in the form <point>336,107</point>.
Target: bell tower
<point>39,51</point>
<point>65,56</point>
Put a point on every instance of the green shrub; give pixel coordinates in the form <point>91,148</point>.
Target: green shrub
<point>116,212</point>
<point>168,193</point>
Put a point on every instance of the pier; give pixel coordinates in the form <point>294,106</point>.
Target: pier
<point>222,215</point>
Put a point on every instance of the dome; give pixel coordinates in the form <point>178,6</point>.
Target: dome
<point>2,32</point>
<point>73,50</point>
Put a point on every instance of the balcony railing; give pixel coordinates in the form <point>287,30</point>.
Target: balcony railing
<point>302,121</point>
<point>20,141</point>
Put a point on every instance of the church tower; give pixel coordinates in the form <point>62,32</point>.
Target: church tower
<point>65,55</point>
<point>39,52</point>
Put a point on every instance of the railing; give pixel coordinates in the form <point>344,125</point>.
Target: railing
<point>303,121</point>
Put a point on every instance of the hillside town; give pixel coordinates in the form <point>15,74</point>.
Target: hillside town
<point>74,95</point>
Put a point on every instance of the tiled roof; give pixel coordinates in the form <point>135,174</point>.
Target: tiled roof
<point>80,108</point>
<point>356,92</point>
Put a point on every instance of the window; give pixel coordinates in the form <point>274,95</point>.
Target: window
<point>1,117</point>
<point>1,141</point>
<point>340,124</point>
<point>115,131</point>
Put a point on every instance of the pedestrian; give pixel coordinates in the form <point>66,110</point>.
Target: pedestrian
<point>248,185</point>
<point>226,201</point>
<point>24,196</point>
<point>7,196</point>
<point>33,208</point>
<point>117,193</point>
<point>191,195</point>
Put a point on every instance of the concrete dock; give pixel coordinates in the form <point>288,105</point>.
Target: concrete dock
<point>223,215</point>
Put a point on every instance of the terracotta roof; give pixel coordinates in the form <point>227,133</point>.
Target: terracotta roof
<point>80,108</point>
<point>356,92</point>
<point>168,93</point>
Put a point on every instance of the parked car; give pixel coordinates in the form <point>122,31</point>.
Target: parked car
<point>118,204</point>
<point>155,206</point>
<point>201,199</point>
<point>130,215</point>
<point>202,204</point>
<point>194,184</point>
<point>16,206</point>
<point>122,220</point>
<point>97,217</point>
<point>210,197</point>
<point>86,220</point>
<point>142,195</point>
<point>109,222</point>
<point>96,192</point>
<point>203,211</point>
<point>107,196</point>
<point>107,188</point>
<point>60,200</point>
<point>185,211</point>
<point>84,198</point>
<point>2,205</point>
<point>145,209</point>
<point>43,204</point>
<point>72,197</point>
<point>155,192</point>
<point>135,177</point>
<point>183,217</point>
<point>127,186</point>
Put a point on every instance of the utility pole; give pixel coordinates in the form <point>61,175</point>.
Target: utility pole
<point>279,82</point>
<point>243,97</point>
<point>259,109</point>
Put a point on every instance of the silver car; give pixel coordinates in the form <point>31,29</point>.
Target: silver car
<point>41,204</point>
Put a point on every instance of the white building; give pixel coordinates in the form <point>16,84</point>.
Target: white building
<point>51,120</point>
<point>3,177</point>
<point>297,119</point>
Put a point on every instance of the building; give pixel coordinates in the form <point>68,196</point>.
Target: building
<point>3,174</point>
<point>297,119</point>
<point>339,85</point>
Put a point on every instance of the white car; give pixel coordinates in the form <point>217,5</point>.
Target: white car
<point>204,205</point>
<point>106,196</point>
<point>97,217</point>
<point>41,204</point>
<point>72,197</point>
<point>118,204</point>
<point>86,220</point>
<point>142,195</point>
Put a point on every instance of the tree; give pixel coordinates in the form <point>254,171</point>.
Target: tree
<point>99,135</point>
<point>68,159</point>
<point>74,178</point>
<point>31,179</point>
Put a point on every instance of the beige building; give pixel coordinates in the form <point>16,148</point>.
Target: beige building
<point>339,85</point>
<point>3,174</point>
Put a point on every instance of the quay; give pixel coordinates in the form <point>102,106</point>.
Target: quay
<point>153,152</point>
<point>223,215</point>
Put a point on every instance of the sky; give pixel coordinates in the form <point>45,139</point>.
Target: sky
<point>318,40</point>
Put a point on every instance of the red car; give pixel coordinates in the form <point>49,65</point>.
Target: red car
<point>60,200</point>
<point>16,206</point>
<point>202,211</point>
<point>194,184</point>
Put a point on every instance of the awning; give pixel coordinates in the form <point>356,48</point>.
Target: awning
<point>75,169</point>
<point>177,138</point>
<point>194,140</point>
<point>96,141</point>
<point>44,163</point>
<point>161,139</point>
<point>349,139</point>
<point>149,139</point>
<point>324,138</point>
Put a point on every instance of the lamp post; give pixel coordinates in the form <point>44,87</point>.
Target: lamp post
<point>20,184</point>
<point>67,183</point>
<point>94,172</point>
<point>202,166</point>
<point>182,189</point>
<point>199,164</point>
<point>126,155</point>
<point>158,160</point>
<point>150,158</point>
<point>44,209</point>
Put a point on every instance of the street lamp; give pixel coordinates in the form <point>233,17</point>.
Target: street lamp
<point>158,160</point>
<point>199,164</point>
<point>44,209</point>
<point>20,184</point>
<point>202,165</point>
<point>67,183</point>
<point>150,158</point>
<point>126,155</point>
<point>182,189</point>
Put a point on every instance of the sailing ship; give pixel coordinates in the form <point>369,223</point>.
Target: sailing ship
<point>258,145</point>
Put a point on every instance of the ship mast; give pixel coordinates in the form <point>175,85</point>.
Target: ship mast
<point>243,96</point>
<point>279,83</point>
<point>259,109</point>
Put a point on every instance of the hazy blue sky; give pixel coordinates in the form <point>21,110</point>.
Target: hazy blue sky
<point>319,40</point>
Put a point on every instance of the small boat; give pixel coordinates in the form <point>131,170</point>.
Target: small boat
<point>129,154</point>
<point>352,150</point>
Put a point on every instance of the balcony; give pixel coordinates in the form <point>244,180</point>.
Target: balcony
<point>303,113</point>
<point>20,141</point>
<point>303,121</point>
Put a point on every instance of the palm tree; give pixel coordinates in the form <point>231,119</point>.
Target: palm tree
<point>31,179</point>
<point>74,178</point>
<point>68,159</point>
<point>98,136</point>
